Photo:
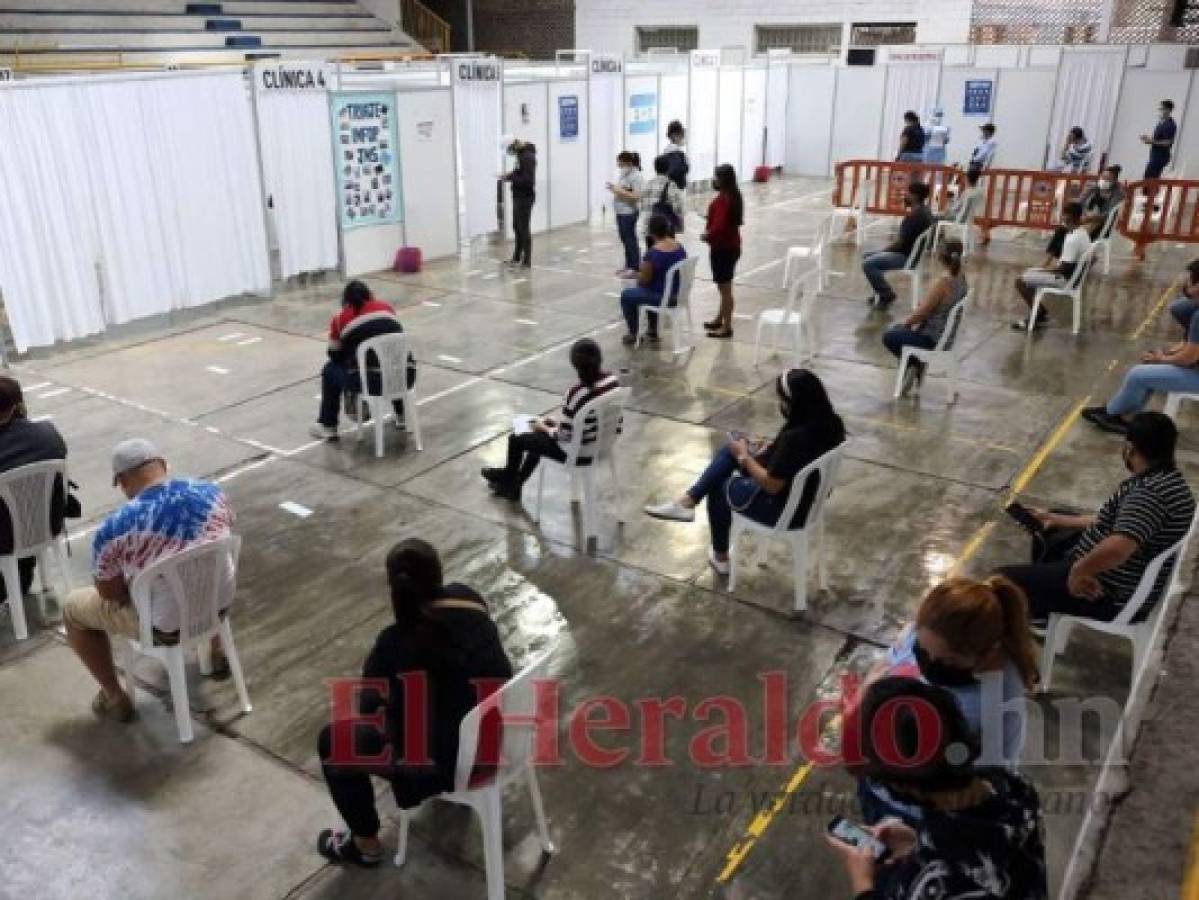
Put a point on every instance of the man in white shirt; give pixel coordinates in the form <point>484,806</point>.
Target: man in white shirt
<point>1059,264</point>
<point>984,154</point>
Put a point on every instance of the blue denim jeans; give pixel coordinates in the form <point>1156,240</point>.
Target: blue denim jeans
<point>1183,310</point>
<point>721,483</point>
<point>1145,379</point>
<point>875,263</point>
<point>632,299</point>
<point>897,337</point>
<point>626,227</point>
<point>336,379</point>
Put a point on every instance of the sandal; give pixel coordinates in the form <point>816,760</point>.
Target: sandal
<point>713,325</point>
<point>723,334</point>
<point>340,847</point>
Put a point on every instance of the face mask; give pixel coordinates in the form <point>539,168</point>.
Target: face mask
<point>625,170</point>
<point>941,673</point>
<point>1105,184</point>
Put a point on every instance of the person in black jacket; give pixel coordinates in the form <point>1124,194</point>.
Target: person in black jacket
<point>445,646</point>
<point>895,255</point>
<point>23,442</point>
<point>980,833</point>
<point>676,156</point>
<point>523,180</point>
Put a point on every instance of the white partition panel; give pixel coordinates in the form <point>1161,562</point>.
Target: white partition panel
<point>1023,104</point>
<point>526,116</point>
<point>641,123</point>
<point>858,113</point>
<point>910,86</point>
<point>753,122</point>
<point>1187,146</point>
<point>1136,114</point>
<point>963,128</point>
<point>729,112</point>
<point>1088,88</point>
<point>477,117</point>
<point>672,107</point>
<point>777,91</point>
<point>811,94</point>
<point>701,129</point>
<point>568,158</point>
<point>425,125</point>
<point>606,118</point>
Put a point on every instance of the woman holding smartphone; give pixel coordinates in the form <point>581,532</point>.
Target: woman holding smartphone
<point>754,476</point>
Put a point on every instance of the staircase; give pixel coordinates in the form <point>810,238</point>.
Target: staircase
<point>46,35</point>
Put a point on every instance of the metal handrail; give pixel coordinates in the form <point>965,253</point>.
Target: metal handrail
<point>425,25</point>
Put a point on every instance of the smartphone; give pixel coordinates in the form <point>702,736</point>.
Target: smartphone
<point>856,836</point>
<point>1024,518</point>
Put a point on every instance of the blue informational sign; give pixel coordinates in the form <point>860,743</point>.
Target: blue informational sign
<point>978,95</point>
<point>366,155</point>
<point>568,118</point>
<point>643,113</point>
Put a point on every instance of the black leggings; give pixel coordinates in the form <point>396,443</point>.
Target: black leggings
<point>525,452</point>
<point>1046,581</point>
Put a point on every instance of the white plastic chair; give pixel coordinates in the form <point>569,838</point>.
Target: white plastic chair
<point>605,416</point>
<point>1104,241</point>
<point>857,208</point>
<point>1174,401</point>
<point>391,351</point>
<point>945,355</point>
<point>196,581</point>
<point>796,315</point>
<point>962,223</point>
<point>828,467</point>
<point>682,273</point>
<point>815,252</point>
<point>517,702</point>
<point>1072,289</point>
<point>913,267</point>
<point>28,495</point>
<point>1057,632</point>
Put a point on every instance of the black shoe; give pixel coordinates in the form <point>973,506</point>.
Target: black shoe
<point>653,339</point>
<point>493,475</point>
<point>1040,324</point>
<point>1102,419</point>
<point>506,490</point>
<point>882,301</point>
<point>339,847</point>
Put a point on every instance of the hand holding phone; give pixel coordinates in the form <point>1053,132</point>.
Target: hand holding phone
<point>1025,518</point>
<point>854,835</point>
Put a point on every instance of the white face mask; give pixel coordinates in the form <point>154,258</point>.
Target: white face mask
<point>1105,184</point>
<point>625,170</point>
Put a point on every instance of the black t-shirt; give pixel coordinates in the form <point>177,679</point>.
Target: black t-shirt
<point>912,139</point>
<point>453,650</point>
<point>914,224</point>
<point>23,442</point>
<point>794,448</point>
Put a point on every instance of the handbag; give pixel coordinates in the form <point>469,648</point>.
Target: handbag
<point>71,507</point>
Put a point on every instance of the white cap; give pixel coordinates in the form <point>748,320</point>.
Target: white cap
<point>129,455</point>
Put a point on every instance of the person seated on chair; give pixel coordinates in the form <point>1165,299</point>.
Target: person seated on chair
<point>968,200</point>
<point>924,327</point>
<point>550,437</point>
<point>965,632</point>
<point>895,255</point>
<point>1100,199</point>
<point>754,476</point>
<point>1076,154</point>
<point>980,831</point>
<point>360,318</point>
<point>164,516</point>
<point>444,645</point>
<point>1183,307</point>
<point>23,442</point>
<point>1091,565</point>
<point>1062,257</point>
<point>664,252</point>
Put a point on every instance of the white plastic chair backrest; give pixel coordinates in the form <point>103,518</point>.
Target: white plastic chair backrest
<point>195,580</point>
<point>824,232</point>
<point>391,353</point>
<point>28,492</point>
<point>860,199</point>
<point>1144,592</point>
<point>683,273</point>
<point>1109,224</point>
<point>1078,276</point>
<point>918,248</point>
<point>801,293</point>
<point>828,466</point>
<point>516,700</point>
<point>603,417</point>
<point>953,324</point>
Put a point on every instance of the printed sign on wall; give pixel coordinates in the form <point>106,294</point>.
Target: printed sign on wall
<point>977,101</point>
<point>365,154</point>
<point>276,76</point>
<point>568,118</point>
<point>643,113</point>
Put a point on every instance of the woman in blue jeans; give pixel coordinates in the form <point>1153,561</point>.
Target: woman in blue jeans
<point>663,254</point>
<point>754,476</point>
<point>626,203</point>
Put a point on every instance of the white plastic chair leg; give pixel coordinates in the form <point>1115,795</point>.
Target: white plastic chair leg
<point>543,828</point>
<point>821,554</point>
<point>1077,313</point>
<point>734,536</point>
<point>619,492</point>
<point>1034,312</point>
<point>758,342</point>
<point>377,414</point>
<point>1173,402</point>
<point>412,420</point>
<point>204,656</point>
<point>43,575</point>
<point>402,839</point>
<point>16,602</point>
<point>491,818</point>
<point>1107,257</point>
<point>177,675</point>
<point>239,678</point>
<point>1049,652</point>
<point>904,357</point>
<point>799,567</point>
<point>590,504</point>
<point>358,417</point>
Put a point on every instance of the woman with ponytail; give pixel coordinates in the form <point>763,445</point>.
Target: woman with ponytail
<point>966,632</point>
<point>924,327</point>
<point>440,658</point>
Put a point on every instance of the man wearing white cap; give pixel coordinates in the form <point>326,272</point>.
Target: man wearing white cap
<point>163,516</point>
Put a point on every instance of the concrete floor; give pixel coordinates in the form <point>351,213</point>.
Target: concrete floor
<point>229,391</point>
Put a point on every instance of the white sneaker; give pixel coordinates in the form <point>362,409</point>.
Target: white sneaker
<point>671,510</point>
<point>319,431</point>
<point>721,566</point>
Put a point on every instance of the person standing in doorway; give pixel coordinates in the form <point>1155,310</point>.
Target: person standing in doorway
<point>984,152</point>
<point>676,156</point>
<point>1161,142</point>
<point>937,139</point>
<point>626,202</point>
<point>726,215</point>
<point>523,180</point>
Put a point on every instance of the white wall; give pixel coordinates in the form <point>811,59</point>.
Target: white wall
<point>608,25</point>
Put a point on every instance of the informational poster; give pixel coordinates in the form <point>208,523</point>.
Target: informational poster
<point>365,154</point>
<point>1042,202</point>
<point>978,95</point>
<point>643,113</point>
<point>897,190</point>
<point>568,118</point>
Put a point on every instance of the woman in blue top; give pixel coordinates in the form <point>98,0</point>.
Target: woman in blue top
<point>664,252</point>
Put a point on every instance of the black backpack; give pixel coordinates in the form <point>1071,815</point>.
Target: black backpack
<point>663,208</point>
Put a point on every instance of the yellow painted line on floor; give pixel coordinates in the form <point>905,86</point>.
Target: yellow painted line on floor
<point>1190,883</point>
<point>1059,434</point>
<point>1169,292</point>
<point>913,429</point>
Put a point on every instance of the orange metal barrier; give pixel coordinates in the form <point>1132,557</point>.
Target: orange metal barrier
<point>888,183</point>
<point>1166,210</point>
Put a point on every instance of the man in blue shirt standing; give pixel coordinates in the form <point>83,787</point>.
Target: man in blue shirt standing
<point>1162,142</point>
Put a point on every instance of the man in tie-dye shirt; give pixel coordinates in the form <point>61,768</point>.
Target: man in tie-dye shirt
<point>164,516</point>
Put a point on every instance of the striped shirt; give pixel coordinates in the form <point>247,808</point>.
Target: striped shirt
<point>1155,509</point>
<point>578,397</point>
<point>1077,157</point>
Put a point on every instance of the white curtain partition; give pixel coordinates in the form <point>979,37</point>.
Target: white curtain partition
<point>160,201</point>
<point>910,86</point>
<point>1088,89</point>
<point>477,111</point>
<point>297,167</point>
